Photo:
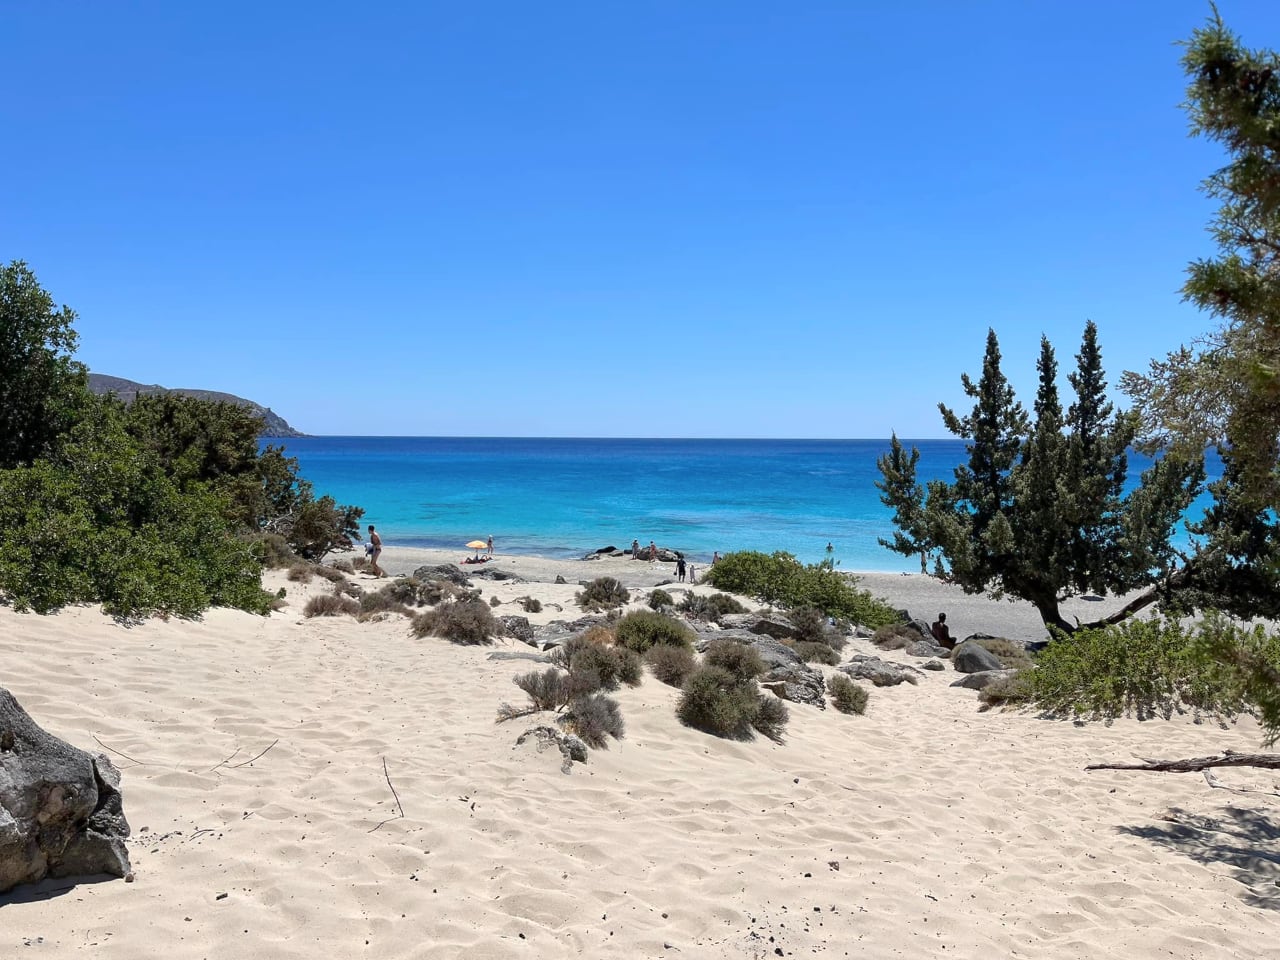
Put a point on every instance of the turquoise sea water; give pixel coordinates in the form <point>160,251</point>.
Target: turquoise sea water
<point>562,497</point>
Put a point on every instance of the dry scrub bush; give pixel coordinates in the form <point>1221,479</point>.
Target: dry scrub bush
<point>811,626</point>
<point>660,598</point>
<point>274,550</point>
<point>611,666</point>
<point>599,634</point>
<point>811,652</point>
<point>279,603</point>
<point>642,629</point>
<point>671,665</point>
<point>461,621</point>
<point>710,608</point>
<point>382,601</point>
<point>549,690</point>
<point>1012,656</point>
<point>1007,691</point>
<point>345,588</point>
<point>343,565</point>
<point>739,659</point>
<point>603,593</point>
<point>895,636</point>
<point>329,573</point>
<point>715,701</point>
<point>847,696</point>
<point>595,719</point>
<point>495,602</point>
<point>530,604</point>
<point>330,605</point>
<point>300,573</point>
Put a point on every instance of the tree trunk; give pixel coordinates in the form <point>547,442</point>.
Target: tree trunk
<point>1049,613</point>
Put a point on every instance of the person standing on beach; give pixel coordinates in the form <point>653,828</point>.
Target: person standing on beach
<point>635,549</point>
<point>375,541</point>
<point>653,551</point>
<point>491,544</point>
<point>680,567</point>
<point>693,573</point>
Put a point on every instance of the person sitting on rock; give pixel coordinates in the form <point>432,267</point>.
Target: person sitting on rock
<point>942,633</point>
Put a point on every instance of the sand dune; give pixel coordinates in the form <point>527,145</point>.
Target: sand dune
<point>921,829</point>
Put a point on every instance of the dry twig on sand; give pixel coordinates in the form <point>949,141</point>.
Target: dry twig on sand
<point>399,806</point>
<point>245,763</point>
<point>1229,758</point>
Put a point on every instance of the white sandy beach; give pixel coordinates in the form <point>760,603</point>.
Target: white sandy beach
<point>923,828</point>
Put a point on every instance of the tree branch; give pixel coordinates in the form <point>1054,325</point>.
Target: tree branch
<point>1230,758</point>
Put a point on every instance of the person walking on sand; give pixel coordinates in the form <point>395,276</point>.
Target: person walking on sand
<point>375,541</point>
<point>680,567</point>
<point>491,544</point>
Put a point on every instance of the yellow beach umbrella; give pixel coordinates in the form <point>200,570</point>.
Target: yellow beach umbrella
<point>478,545</point>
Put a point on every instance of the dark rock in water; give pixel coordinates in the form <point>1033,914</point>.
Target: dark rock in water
<point>882,673</point>
<point>560,579</point>
<point>605,551</point>
<point>797,683</point>
<point>982,679</point>
<point>971,658</point>
<point>518,627</point>
<point>61,813</point>
<point>926,648</point>
<point>445,571</point>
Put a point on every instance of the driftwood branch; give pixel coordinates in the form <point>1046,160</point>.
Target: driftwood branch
<point>1230,758</point>
<point>399,806</point>
<point>245,763</point>
<point>118,753</point>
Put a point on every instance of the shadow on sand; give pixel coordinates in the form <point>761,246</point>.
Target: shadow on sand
<point>1248,841</point>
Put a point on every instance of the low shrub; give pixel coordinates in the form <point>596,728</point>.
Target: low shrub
<point>600,634</point>
<point>1008,691</point>
<point>595,718</point>
<point>603,593</point>
<point>714,701</point>
<point>331,605</point>
<point>344,565</point>
<point>329,573</point>
<point>894,636</point>
<point>607,664</point>
<point>461,621</point>
<point>671,665</point>
<point>642,629</point>
<point>300,573</point>
<point>660,598</point>
<point>780,579</point>
<point>273,550</point>
<point>811,652</point>
<point>709,608</point>
<point>847,696</point>
<point>530,604</point>
<point>549,690</point>
<point>1144,668</point>
<point>739,659</point>
<point>811,626</point>
<point>771,719</point>
<point>1012,656</point>
<point>495,602</point>
<point>382,601</point>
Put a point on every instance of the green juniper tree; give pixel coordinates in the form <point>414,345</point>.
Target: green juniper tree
<point>1038,511</point>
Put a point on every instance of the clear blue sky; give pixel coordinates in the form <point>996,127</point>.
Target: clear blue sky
<point>606,219</point>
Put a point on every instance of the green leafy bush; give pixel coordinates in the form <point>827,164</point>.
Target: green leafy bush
<point>461,621</point>
<point>612,666</point>
<point>659,598</point>
<point>739,659</point>
<point>300,573</point>
<point>1143,668</point>
<point>847,696</point>
<point>331,605</point>
<point>779,579</point>
<point>642,629</point>
<point>811,652</point>
<point>895,636</point>
<point>602,593</point>
<point>771,717</point>
<point>811,626</point>
<point>273,550</point>
<point>671,665</point>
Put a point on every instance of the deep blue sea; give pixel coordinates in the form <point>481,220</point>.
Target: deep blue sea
<point>563,497</point>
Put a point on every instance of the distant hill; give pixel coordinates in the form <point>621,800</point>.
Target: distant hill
<point>274,425</point>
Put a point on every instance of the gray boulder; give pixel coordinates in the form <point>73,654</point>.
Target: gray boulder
<point>61,813</point>
<point>982,679</point>
<point>444,571</point>
<point>496,573</point>
<point>921,627</point>
<point>797,683</point>
<point>774,653</point>
<point>935,665</point>
<point>882,673</point>
<point>926,648</point>
<point>971,658</point>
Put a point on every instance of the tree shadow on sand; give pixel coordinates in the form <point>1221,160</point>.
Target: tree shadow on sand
<point>1246,840</point>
